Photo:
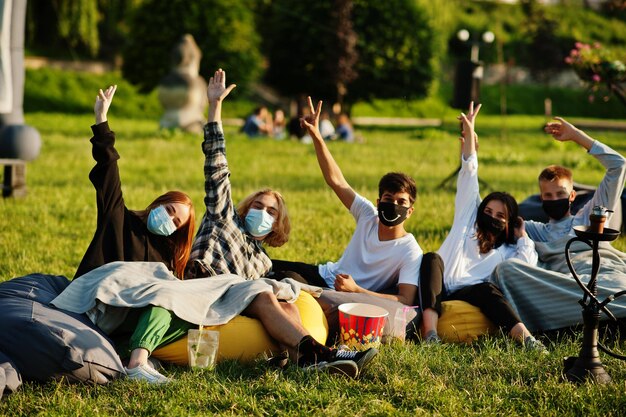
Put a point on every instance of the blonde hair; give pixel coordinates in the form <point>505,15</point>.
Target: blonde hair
<point>281,228</point>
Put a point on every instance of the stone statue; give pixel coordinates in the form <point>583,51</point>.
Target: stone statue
<point>182,92</point>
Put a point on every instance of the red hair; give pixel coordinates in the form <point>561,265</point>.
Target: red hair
<point>182,239</point>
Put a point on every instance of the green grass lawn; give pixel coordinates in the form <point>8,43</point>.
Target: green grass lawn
<point>49,230</point>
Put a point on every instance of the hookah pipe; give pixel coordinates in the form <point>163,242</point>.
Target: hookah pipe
<point>588,364</point>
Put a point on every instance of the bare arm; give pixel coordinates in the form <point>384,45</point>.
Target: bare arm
<point>331,171</point>
<point>406,292</point>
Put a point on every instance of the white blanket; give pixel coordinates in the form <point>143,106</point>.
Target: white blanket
<point>107,292</point>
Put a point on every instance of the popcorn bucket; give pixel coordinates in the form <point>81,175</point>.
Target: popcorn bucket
<point>361,324</point>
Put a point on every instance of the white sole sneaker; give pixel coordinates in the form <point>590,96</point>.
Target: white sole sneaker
<point>338,367</point>
<point>146,373</point>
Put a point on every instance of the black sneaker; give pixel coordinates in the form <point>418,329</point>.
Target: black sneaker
<point>279,361</point>
<point>362,359</point>
<point>336,366</point>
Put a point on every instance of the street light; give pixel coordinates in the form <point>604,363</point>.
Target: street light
<point>469,73</point>
<point>467,86</point>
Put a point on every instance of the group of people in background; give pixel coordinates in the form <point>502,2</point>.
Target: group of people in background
<point>382,258</point>
<point>261,123</point>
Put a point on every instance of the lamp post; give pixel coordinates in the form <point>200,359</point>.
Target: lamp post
<point>467,87</point>
<point>469,73</point>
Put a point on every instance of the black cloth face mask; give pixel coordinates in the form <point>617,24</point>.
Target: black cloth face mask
<point>391,214</point>
<point>556,209</point>
<point>490,224</point>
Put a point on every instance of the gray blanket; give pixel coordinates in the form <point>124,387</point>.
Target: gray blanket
<point>106,294</point>
<point>546,297</point>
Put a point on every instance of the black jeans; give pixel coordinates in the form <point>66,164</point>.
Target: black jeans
<point>299,271</point>
<point>486,296</point>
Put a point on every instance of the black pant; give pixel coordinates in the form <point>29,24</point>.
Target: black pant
<point>486,296</point>
<point>299,271</point>
<point>430,288</point>
<point>429,284</point>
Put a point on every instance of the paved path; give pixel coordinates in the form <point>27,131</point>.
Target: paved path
<point>371,121</point>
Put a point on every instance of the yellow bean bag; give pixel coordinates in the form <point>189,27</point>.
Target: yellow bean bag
<point>462,322</point>
<point>244,338</point>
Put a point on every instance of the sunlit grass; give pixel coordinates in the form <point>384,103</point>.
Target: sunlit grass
<point>49,230</point>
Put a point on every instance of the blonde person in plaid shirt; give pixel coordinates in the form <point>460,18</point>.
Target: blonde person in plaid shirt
<point>230,240</point>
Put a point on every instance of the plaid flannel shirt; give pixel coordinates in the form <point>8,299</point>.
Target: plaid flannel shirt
<point>222,245</point>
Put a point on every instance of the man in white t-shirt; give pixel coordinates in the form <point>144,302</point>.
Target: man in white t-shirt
<point>382,258</point>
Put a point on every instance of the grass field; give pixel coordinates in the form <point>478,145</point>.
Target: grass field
<point>49,230</point>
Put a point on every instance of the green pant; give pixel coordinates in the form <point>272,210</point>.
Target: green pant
<point>149,328</point>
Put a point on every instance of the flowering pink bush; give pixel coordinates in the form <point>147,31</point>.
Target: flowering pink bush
<point>601,68</point>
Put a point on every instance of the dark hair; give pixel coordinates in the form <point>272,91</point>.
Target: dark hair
<point>397,182</point>
<point>487,240</point>
<point>258,110</point>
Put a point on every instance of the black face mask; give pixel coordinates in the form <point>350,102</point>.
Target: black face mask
<point>391,214</point>
<point>490,224</point>
<point>556,209</point>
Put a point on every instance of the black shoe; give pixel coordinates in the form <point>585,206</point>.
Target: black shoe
<point>335,366</point>
<point>279,361</point>
<point>362,359</point>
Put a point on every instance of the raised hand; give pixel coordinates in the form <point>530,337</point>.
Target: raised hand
<point>312,121</point>
<point>217,90</point>
<point>469,138</point>
<point>562,131</point>
<point>103,102</point>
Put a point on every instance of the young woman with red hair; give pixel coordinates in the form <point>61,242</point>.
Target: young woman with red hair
<point>163,232</point>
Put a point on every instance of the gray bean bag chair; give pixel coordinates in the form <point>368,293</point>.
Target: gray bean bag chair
<point>45,343</point>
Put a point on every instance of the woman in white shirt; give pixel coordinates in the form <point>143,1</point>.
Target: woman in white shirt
<point>484,233</point>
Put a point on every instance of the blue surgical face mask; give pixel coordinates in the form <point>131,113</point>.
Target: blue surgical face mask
<point>259,222</point>
<point>160,222</point>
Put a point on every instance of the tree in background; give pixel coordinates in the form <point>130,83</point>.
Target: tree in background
<point>300,40</point>
<point>546,51</point>
<point>68,26</point>
<point>396,49</point>
<point>309,47</point>
<point>223,29</point>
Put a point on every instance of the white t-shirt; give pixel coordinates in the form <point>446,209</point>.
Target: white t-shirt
<point>374,264</point>
<point>464,265</point>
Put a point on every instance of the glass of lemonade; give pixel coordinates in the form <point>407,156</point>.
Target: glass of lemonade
<point>202,347</point>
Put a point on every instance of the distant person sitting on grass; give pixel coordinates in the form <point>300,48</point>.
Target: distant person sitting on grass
<point>546,296</point>
<point>327,130</point>
<point>344,130</point>
<point>279,125</point>
<point>259,123</point>
<point>382,258</point>
<point>163,232</point>
<point>483,234</point>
